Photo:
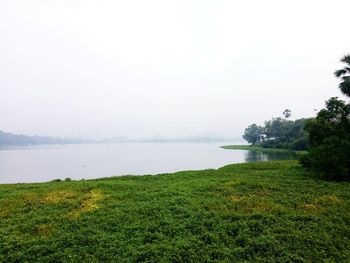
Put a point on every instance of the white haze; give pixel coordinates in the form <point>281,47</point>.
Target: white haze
<point>170,68</point>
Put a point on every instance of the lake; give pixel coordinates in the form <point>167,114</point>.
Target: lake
<point>44,163</point>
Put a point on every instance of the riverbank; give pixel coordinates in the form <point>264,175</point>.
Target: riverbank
<point>260,149</point>
<point>268,211</point>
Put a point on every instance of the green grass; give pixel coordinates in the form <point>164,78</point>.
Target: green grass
<point>267,212</point>
<point>259,149</point>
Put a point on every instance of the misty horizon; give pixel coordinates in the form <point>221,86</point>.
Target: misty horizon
<point>173,69</point>
<point>81,138</point>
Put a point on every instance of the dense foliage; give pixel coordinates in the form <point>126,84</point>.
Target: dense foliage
<point>329,139</point>
<point>278,133</point>
<point>329,133</point>
<point>253,212</point>
<point>253,134</point>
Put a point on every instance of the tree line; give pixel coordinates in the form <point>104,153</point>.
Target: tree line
<point>325,137</point>
<point>7,139</point>
<point>278,133</point>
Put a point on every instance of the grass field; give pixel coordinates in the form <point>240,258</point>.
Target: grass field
<point>272,211</point>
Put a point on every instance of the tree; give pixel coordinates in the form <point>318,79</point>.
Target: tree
<point>329,133</point>
<point>278,133</point>
<point>329,141</point>
<point>333,120</point>
<point>344,75</point>
<point>253,134</point>
<point>287,113</point>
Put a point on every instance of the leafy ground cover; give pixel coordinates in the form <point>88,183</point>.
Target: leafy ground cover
<point>272,211</point>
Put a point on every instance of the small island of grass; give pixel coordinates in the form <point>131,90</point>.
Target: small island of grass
<point>260,149</point>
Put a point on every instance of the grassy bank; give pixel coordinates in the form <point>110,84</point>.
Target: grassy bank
<point>259,149</point>
<point>269,211</point>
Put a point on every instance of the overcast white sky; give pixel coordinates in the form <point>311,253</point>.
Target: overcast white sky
<point>172,68</point>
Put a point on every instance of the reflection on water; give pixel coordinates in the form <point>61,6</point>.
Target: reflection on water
<point>253,156</point>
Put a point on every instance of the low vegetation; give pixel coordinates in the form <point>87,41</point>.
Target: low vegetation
<point>260,149</point>
<point>271,212</point>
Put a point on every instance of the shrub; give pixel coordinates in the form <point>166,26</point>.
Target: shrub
<point>331,159</point>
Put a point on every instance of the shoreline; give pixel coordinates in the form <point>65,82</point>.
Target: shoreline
<point>261,149</point>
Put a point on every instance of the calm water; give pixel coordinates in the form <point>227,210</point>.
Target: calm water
<point>77,161</point>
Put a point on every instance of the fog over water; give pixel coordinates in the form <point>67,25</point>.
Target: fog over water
<point>137,68</point>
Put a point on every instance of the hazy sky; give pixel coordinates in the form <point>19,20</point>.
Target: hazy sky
<point>173,68</point>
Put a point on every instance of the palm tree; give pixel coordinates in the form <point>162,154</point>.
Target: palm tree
<point>287,113</point>
<point>344,75</point>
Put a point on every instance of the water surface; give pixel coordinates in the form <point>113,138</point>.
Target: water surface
<point>76,161</point>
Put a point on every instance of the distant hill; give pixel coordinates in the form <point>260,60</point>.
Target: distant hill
<point>7,138</point>
<point>160,139</point>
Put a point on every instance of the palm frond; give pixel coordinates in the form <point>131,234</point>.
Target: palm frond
<point>339,72</point>
<point>346,59</point>
<point>345,87</point>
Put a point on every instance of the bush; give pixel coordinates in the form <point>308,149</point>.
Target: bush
<point>331,159</point>
<point>300,144</point>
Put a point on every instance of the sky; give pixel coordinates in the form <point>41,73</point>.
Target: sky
<point>172,68</point>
